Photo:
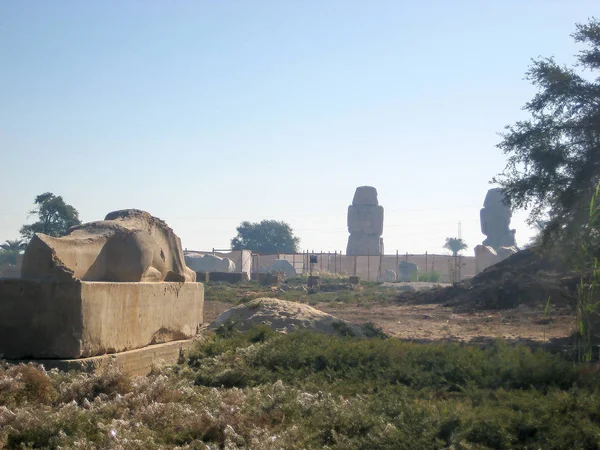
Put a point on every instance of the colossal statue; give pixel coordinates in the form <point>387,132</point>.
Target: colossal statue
<point>365,223</point>
<point>127,246</point>
<point>495,221</point>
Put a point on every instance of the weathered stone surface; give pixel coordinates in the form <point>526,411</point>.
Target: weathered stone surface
<point>73,319</point>
<point>365,195</point>
<point>365,223</point>
<point>283,265</point>
<point>407,271</point>
<point>495,221</point>
<point>127,246</point>
<point>363,245</point>
<point>132,362</point>
<point>282,316</point>
<point>208,263</point>
<point>365,219</point>
<point>390,276</point>
<point>486,256</point>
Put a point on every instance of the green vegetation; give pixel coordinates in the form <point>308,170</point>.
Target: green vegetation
<point>588,305</point>
<point>267,236</point>
<point>259,389</point>
<point>332,290</point>
<point>431,277</point>
<point>455,245</point>
<point>55,217</point>
<point>554,156</point>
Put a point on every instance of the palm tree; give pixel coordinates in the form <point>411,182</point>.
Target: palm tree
<point>10,249</point>
<point>455,245</point>
<point>14,246</point>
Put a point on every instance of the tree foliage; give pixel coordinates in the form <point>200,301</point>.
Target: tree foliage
<point>455,245</point>
<point>55,217</point>
<point>554,157</point>
<point>268,236</point>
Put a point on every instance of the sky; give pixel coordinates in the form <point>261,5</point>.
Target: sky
<point>207,113</point>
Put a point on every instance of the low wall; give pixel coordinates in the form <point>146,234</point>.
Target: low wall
<point>41,319</point>
<point>228,277</point>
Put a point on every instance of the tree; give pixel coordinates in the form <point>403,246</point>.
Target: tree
<point>10,249</point>
<point>268,236</point>
<point>554,157</point>
<point>455,245</point>
<point>55,217</point>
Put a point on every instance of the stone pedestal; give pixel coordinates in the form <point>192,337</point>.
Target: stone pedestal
<point>75,319</point>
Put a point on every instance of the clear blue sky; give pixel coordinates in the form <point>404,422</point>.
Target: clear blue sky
<point>208,113</point>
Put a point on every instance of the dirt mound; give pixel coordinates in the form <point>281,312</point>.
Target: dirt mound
<point>285,317</point>
<point>525,278</point>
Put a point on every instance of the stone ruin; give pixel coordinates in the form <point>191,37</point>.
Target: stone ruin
<point>390,276</point>
<point>283,265</point>
<point>199,262</point>
<point>365,223</point>
<point>495,224</point>
<point>407,271</point>
<point>106,287</point>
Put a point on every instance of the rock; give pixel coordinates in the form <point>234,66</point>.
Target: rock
<point>365,223</point>
<point>495,221</point>
<point>283,265</point>
<point>127,246</point>
<point>407,271</point>
<point>390,276</point>
<point>209,263</point>
<point>407,288</point>
<point>486,256</point>
<point>283,316</point>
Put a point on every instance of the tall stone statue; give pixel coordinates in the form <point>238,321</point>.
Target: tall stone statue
<point>495,221</point>
<point>365,223</point>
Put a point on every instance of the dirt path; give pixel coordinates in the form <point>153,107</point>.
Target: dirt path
<point>434,322</point>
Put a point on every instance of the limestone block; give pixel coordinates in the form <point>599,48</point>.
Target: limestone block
<point>132,362</point>
<point>365,219</point>
<point>209,263</point>
<point>127,246</point>
<point>407,271</point>
<point>363,245</point>
<point>390,276</point>
<point>283,265</point>
<point>74,319</point>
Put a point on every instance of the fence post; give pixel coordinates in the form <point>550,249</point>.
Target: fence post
<point>397,261</point>
<point>368,266</point>
<point>425,261</point>
<point>335,262</point>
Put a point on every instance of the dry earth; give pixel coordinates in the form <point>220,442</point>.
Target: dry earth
<point>435,322</point>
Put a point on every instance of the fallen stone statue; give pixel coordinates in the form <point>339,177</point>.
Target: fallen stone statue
<point>127,246</point>
<point>110,286</point>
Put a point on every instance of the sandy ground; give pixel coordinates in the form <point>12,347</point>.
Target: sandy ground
<point>435,322</point>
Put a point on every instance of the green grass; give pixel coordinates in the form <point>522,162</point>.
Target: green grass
<point>260,389</point>
<point>332,290</point>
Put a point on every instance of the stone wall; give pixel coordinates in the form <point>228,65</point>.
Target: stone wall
<point>42,319</point>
